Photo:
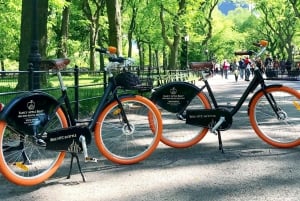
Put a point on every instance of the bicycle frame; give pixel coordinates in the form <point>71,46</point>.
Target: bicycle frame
<point>255,82</point>
<point>110,89</point>
<point>185,106</point>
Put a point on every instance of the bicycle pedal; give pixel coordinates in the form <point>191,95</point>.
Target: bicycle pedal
<point>90,159</point>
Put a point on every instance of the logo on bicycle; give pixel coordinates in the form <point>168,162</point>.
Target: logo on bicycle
<point>173,91</point>
<point>31,105</point>
<point>74,147</point>
<point>30,115</point>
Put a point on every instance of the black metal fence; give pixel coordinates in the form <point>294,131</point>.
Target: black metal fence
<point>283,74</point>
<point>85,87</point>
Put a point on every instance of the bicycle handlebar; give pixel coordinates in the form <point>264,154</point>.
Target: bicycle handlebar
<point>262,44</point>
<point>114,60</point>
<point>108,50</point>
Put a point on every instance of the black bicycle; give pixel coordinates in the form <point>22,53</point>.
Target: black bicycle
<point>37,130</point>
<point>188,112</point>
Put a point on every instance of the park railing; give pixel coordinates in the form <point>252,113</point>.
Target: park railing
<point>85,87</point>
<point>273,74</point>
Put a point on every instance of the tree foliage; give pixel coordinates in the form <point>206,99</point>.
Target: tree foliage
<point>152,31</point>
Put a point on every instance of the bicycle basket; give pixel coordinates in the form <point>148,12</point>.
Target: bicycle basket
<point>127,80</point>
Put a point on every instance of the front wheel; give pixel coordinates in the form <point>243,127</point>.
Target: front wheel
<point>277,125</point>
<point>22,161</point>
<point>133,141</point>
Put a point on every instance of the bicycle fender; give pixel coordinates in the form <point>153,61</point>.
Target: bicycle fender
<point>28,112</point>
<point>175,95</point>
<point>269,86</point>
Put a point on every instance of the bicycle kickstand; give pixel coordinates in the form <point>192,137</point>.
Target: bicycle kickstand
<point>216,131</point>
<point>75,155</point>
<point>220,142</point>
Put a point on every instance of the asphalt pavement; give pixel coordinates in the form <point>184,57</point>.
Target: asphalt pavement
<point>249,169</point>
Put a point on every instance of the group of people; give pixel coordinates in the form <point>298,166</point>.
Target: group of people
<point>241,68</point>
<point>244,67</point>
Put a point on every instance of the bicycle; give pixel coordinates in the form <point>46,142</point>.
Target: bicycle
<point>37,130</point>
<point>188,112</point>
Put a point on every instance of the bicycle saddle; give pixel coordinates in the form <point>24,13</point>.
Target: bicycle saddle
<point>57,64</point>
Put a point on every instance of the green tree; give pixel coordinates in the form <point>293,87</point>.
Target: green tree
<point>280,26</point>
<point>92,11</point>
<point>9,34</point>
<point>296,7</point>
<point>172,39</point>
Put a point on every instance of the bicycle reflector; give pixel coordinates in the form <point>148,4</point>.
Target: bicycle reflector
<point>263,43</point>
<point>112,50</point>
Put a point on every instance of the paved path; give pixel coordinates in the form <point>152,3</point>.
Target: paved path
<point>249,170</point>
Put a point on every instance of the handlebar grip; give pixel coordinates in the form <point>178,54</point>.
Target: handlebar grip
<point>117,59</point>
<point>256,44</point>
<point>101,50</point>
<point>244,53</point>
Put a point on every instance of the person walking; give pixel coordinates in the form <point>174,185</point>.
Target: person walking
<point>268,62</point>
<point>282,65</point>
<point>235,69</point>
<point>247,63</point>
<point>226,66</point>
<point>241,68</point>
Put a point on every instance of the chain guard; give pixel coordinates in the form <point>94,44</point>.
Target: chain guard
<point>209,117</point>
<point>67,139</point>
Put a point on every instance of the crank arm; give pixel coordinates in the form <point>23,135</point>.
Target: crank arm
<point>85,152</point>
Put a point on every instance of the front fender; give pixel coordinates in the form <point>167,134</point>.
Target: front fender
<point>269,86</point>
<point>28,112</point>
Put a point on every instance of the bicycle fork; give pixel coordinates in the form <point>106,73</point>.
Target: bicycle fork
<point>277,110</point>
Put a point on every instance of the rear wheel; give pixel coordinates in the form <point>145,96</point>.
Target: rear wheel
<point>278,126</point>
<point>132,142</point>
<point>22,161</point>
<point>178,134</point>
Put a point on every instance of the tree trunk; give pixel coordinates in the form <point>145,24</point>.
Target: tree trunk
<point>27,36</point>
<point>64,32</point>
<point>94,27</point>
<point>141,54</point>
<point>174,42</point>
<point>114,21</point>
<point>2,68</point>
<point>173,56</point>
<point>93,39</point>
<point>131,29</point>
